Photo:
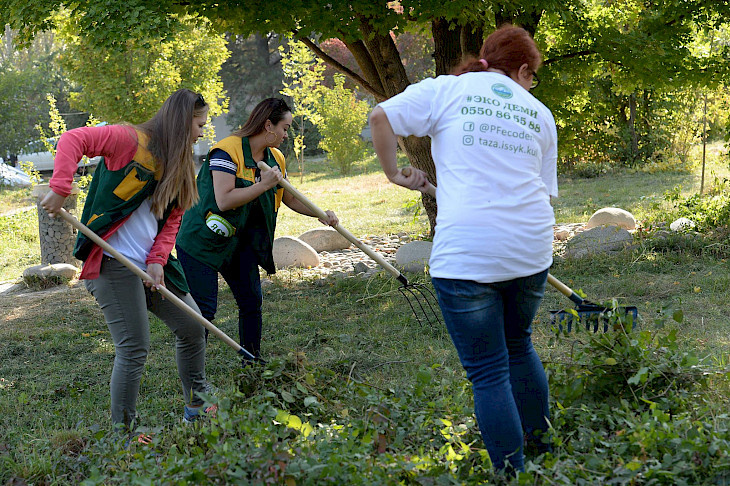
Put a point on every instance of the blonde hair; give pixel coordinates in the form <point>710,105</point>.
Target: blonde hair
<point>170,143</point>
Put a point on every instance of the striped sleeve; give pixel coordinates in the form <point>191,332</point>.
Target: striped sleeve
<point>220,160</point>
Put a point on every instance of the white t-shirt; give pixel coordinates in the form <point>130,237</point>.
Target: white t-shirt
<point>495,150</point>
<point>134,239</point>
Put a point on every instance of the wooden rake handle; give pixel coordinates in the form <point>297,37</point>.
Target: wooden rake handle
<point>167,294</point>
<point>350,237</point>
<point>562,288</point>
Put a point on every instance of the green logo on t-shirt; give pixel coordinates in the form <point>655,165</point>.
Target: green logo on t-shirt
<point>502,91</point>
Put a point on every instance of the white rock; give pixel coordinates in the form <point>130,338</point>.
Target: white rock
<point>325,239</point>
<point>682,224</point>
<point>13,176</point>
<point>598,240</point>
<point>612,217</point>
<point>414,256</point>
<point>64,270</point>
<point>293,252</point>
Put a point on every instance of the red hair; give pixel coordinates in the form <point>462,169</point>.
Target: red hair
<point>507,48</point>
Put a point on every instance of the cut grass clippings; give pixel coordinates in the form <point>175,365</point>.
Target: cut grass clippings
<point>56,355</point>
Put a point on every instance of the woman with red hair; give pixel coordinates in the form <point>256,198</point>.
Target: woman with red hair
<point>494,146</point>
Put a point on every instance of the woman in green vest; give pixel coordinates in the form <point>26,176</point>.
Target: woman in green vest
<point>231,229</point>
<point>135,202</point>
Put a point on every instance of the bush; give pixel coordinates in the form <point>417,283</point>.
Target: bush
<point>343,118</point>
<point>710,211</point>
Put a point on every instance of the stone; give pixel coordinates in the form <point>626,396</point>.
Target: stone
<point>682,224</point>
<point>360,267</point>
<point>414,256</point>
<point>44,271</point>
<point>325,239</point>
<point>612,217</point>
<point>598,240</point>
<point>293,252</point>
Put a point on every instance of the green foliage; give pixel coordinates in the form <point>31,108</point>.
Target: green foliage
<point>343,118</point>
<point>21,95</point>
<point>29,169</point>
<point>645,367</point>
<point>294,423</point>
<point>138,76</point>
<point>302,79</point>
<point>708,212</point>
<point>19,247</point>
<point>627,408</point>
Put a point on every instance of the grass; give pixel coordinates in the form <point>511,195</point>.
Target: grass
<point>56,355</point>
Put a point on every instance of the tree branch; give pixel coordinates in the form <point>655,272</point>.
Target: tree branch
<point>342,68</point>
<point>571,55</point>
<point>365,62</point>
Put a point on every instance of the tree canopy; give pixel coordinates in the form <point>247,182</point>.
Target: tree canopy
<point>619,58</point>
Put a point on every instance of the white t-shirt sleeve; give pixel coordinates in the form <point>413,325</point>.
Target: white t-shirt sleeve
<point>549,167</point>
<point>410,112</point>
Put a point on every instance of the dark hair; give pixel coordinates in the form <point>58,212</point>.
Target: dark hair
<point>507,48</point>
<point>272,109</point>
<point>170,143</point>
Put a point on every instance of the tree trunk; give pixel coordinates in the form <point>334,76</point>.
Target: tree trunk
<point>472,38</point>
<point>447,45</point>
<point>632,129</point>
<point>419,148</point>
<point>392,76</point>
<point>379,60</point>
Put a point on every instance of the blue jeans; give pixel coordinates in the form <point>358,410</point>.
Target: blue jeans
<point>242,276</point>
<point>490,325</point>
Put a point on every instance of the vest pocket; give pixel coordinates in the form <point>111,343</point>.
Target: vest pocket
<point>129,186</point>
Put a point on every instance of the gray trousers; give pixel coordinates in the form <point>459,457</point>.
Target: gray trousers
<point>125,300</point>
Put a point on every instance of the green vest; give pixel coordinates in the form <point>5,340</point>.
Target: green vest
<point>115,194</point>
<point>211,235</point>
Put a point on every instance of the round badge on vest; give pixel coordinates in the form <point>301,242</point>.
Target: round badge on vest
<point>219,225</point>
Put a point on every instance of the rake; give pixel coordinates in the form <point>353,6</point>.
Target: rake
<point>586,313</point>
<point>589,314</point>
<point>167,294</point>
<point>420,297</point>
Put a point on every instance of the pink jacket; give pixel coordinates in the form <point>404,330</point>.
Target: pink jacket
<point>117,144</point>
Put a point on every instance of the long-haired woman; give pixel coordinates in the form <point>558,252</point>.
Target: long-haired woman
<point>495,150</point>
<point>231,229</point>
<point>135,202</point>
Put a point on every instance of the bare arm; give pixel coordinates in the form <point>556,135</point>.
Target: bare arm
<point>385,143</point>
<point>228,196</point>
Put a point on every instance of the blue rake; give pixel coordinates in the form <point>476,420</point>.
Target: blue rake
<point>590,315</point>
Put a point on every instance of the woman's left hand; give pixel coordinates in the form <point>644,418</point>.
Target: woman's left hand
<point>331,219</point>
<point>157,273</point>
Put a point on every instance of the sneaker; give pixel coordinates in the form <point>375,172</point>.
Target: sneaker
<point>193,414</point>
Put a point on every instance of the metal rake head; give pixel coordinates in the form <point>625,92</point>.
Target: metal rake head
<point>423,303</point>
<point>594,317</point>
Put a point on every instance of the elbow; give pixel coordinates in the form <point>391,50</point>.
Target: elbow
<point>377,117</point>
<point>222,204</point>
